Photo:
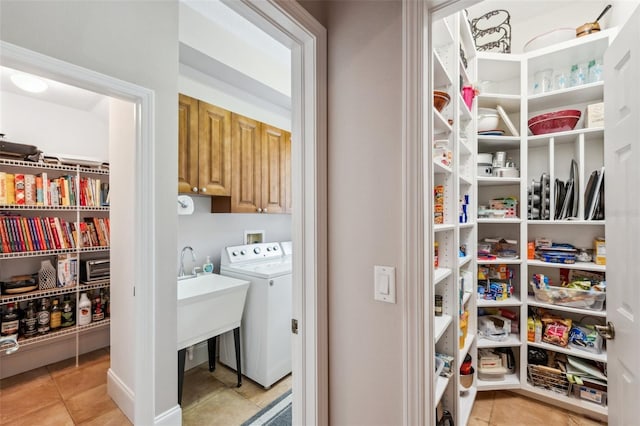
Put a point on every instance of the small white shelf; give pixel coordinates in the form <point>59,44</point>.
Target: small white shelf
<point>465,180</point>
<point>441,386</point>
<point>531,301</point>
<point>441,77</point>
<point>440,124</point>
<point>443,227</point>
<point>510,381</point>
<point>466,225</point>
<point>464,73</point>
<point>496,143</point>
<point>440,274</point>
<point>585,266</point>
<point>467,345</point>
<point>591,92</point>
<point>571,351</point>
<point>511,301</point>
<point>440,325</point>
<point>497,181</point>
<point>565,400</point>
<point>464,260</point>
<point>466,404</point>
<point>499,220</point>
<point>510,103</point>
<point>512,341</point>
<point>69,331</point>
<point>569,136</point>
<point>441,169</point>
<point>499,261</point>
<point>567,222</point>
<point>465,149</point>
<point>465,297</point>
<point>465,113</point>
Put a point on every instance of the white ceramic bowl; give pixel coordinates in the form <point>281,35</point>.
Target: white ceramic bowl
<point>550,38</point>
<point>487,119</point>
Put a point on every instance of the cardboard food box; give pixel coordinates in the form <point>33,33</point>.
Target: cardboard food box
<point>595,115</point>
<point>599,251</point>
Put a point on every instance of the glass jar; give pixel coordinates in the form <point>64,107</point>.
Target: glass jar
<point>578,74</point>
<point>595,70</point>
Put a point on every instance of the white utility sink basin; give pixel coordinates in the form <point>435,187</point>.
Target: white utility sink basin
<point>208,305</point>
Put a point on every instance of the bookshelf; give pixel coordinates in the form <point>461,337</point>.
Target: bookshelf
<point>57,214</point>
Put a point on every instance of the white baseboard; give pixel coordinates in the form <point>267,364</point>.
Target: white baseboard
<point>171,417</point>
<point>122,395</point>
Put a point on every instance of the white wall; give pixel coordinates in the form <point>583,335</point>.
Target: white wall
<point>136,42</point>
<point>209,233</point>
<point>532,18</point>
<point>84,133</point>
<point>365,200</point>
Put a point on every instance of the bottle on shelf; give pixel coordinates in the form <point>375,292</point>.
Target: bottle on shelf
<point>97,312</point>
<point>106,303</point>
<point>84,310</point>
<point>44,317</point>
<point>55,321</point>
<point>10,321</point>
<point>29,320</point>
<point>68,312</point>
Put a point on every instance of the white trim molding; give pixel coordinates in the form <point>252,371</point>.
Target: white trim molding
<point>416,334</point>
<point>292,25</point>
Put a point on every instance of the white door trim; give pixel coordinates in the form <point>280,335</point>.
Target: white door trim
<point>29,61</point>
<point>293,26</point>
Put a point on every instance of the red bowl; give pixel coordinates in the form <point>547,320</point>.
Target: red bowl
<point>552,122</point>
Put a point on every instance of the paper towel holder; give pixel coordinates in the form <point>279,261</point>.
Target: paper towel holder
<point>185,205</point>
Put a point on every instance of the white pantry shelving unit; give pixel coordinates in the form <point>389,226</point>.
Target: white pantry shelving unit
<point>455,236</point>
<point>508,82</point>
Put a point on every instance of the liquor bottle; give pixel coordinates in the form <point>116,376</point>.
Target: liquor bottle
<point>84,310</point>
<point>44,317</point>
<point>55,321</point>
<point>68,312</point>
<point>10,321</point>
<point>30,320</point>
<point>97,314</point>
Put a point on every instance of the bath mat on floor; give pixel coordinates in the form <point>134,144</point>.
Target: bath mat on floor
<point>278,413</point>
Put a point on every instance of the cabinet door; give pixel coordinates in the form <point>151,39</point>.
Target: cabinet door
<point>287,172</point>
<point>187,144</point>
<point>274,170</point>
<point>246,165</point>
<point>214,150</point>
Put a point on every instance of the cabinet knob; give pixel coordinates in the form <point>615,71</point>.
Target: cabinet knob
<point>194,189</point>
<point>259,210</point>
<point>264,210</point>
<point>203,189</point>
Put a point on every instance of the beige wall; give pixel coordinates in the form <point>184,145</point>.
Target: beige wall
<point>365,200</point>
<point>135,41</point>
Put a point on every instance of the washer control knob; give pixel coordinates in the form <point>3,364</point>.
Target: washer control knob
<point>275,248</point>
<point>234,253</point>
<point>268,248</point>
<point>243,252</point>
<point>256,250</point>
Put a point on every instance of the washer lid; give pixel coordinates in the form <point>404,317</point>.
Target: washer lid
<point>260,269</point>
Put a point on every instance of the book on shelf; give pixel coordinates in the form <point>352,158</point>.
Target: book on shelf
<point>11,188</point>
<point>30,190</point>
<point>3,188</point>
<point>19,189</point>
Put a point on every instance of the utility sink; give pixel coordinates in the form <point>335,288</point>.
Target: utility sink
<point>208,305</point>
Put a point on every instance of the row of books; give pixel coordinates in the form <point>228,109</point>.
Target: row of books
<point>24,234</point>
<point>40,190</point>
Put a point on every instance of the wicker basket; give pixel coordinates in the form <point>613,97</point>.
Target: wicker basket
<point>548,378</point>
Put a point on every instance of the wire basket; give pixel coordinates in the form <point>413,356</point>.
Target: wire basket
<point>548,378</point>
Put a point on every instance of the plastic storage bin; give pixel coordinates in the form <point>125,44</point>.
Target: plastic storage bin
<point>571,297</point>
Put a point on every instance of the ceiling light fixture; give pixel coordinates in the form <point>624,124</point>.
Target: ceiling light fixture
<point>29,83</point>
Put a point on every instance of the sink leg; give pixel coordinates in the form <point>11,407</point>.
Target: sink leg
<point>182,353</point>
<point>236,339</point>
<point>211,349</point>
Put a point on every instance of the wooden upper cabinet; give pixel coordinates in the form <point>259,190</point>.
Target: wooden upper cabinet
<point>187,144</point>
<point>261,167</point>
<point>214,150</point>
<point>246,157</point>
<point>204,148</point>
<point>274,169</point>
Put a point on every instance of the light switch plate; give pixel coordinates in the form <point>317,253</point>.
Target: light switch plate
<point>384,283</point>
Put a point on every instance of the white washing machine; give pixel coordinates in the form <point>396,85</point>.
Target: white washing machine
<point>266,322</point>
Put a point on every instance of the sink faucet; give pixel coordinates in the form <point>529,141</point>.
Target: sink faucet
<point>193,258</point>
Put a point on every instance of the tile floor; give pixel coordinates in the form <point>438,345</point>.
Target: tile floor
<point>497,408</point>
<point>61,394</point>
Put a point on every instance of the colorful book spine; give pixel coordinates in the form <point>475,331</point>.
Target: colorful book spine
<point>11,188</point>
<point>4,235</point>
<point>30,196</point>
<point>20,192</point>
<point>3,188</point>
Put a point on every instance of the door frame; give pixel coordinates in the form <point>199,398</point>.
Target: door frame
<point>290,24</point>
